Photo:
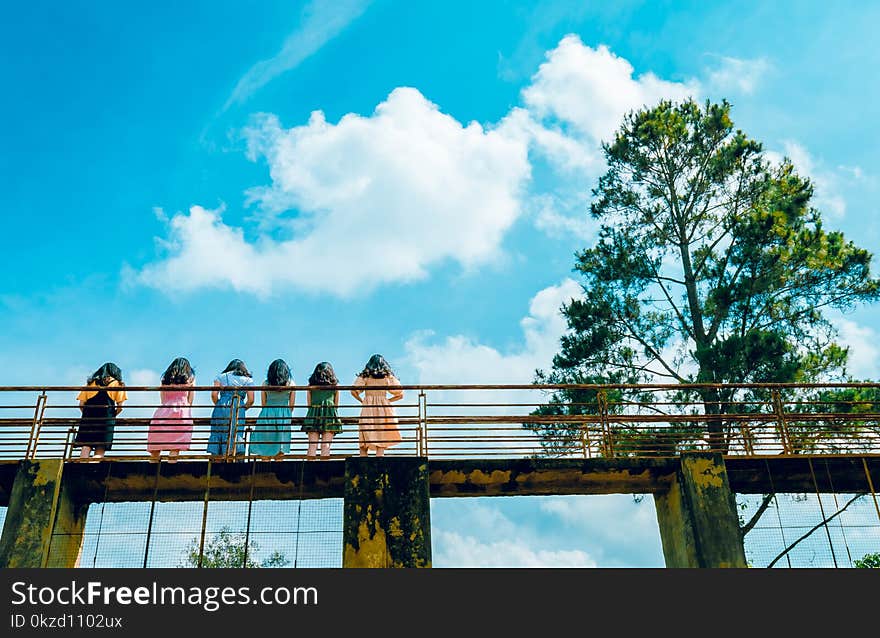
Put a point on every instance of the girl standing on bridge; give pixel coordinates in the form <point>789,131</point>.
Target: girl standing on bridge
<point>230,384</point>
<point>172,424</point>
<point>271,435</point>
<point>322,420</point>
<point>99,409</point>
<point>377,427</point>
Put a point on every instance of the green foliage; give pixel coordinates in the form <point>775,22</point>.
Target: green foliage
<point>710,266</point>
<point>226,549</point>
<point>868,561</point>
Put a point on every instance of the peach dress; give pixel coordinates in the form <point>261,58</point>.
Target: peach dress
<point>378,421</point>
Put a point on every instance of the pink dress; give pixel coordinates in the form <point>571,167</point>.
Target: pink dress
<point>377,427</point>
<point>172,425</point>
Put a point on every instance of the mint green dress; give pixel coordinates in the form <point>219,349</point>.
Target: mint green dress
<point>322,415</point>
<point>272,431</point>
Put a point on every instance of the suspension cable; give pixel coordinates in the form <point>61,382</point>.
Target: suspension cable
<point>822,512</point>
<point>101,518</point>
<point>247,531</point>
<point>152,512</point>
<point>840,518</point>
<point>302,473</point>
<point>778,516</point>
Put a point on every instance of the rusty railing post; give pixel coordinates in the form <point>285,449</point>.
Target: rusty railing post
<point>602,405</point>
<point>780,421</point>
<point>423,422</point>
<point>585,440</point>
<point>419,441</point>
<point>36,426</point>
<point>68,443</point>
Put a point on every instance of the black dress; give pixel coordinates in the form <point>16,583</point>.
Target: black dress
<point>97,422</point>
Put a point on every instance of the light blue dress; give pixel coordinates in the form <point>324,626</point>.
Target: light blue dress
<point>223,422</point>
<point>271,434</point>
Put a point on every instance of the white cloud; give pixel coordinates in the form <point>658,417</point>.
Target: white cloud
<point>321,22</point>
<point>738,75</point>
<point>827,197</point>
<point>381,198</point>
<point>565,152</point>
<point>487,532</point>
<point>864,352</point>
<point>207,252</point>
<point>575,101</point>
<point>592,89</point>
<point>456,550</point>
<point>827,182</point>
<point>461,359</point>
<point>548,531</point>
<point>559,218</point>
<point>855,174</point>
<point>618,525</point>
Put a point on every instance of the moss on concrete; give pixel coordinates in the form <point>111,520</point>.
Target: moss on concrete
<point>38,508</point>
<point>387,513</point>
<point>697,516</point>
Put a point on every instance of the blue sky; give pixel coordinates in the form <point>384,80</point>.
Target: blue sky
<point>168,190</point>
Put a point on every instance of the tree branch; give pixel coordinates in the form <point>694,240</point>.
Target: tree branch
<point>817,526</point>
<point>687,329</point>
<point>761,509</point>
<point>632,335</point>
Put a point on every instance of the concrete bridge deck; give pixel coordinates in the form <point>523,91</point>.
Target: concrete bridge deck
<point>119,481</point>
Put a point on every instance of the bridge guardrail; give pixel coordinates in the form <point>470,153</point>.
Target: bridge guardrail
<point>510,421</point>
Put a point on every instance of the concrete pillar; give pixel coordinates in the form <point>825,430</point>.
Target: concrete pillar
<point>44,525</point>
<point>699,525</point>
<point>387,513</point>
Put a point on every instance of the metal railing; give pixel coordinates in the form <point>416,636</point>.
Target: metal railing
<point>477,421</point>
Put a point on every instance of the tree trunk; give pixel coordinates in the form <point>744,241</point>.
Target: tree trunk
<point>715,424</point>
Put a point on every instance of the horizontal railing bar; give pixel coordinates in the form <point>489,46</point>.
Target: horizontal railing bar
<point>436,387</point>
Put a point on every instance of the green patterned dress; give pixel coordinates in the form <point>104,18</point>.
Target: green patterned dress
<point>322,415</point>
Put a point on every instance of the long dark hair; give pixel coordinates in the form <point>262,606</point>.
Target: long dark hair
<point>377,368</point>
<point>323,375</point>
<point>106,374</point>
<point>238,367</point>
<point>178,373</point>
<point>278,373</point>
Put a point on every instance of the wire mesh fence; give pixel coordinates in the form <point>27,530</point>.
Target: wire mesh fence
<point>201,532</point>
<point>811,529</point>
<point>281,534</point>
<point>792,533</point>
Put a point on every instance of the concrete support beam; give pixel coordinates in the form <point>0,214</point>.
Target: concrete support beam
<point>699,526</point>
<point>293,479</point>
<point>803,473</point>
<point>44,525</point>
<point>387,513</point>
<point>547,477</point>
<point>186,480</point>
